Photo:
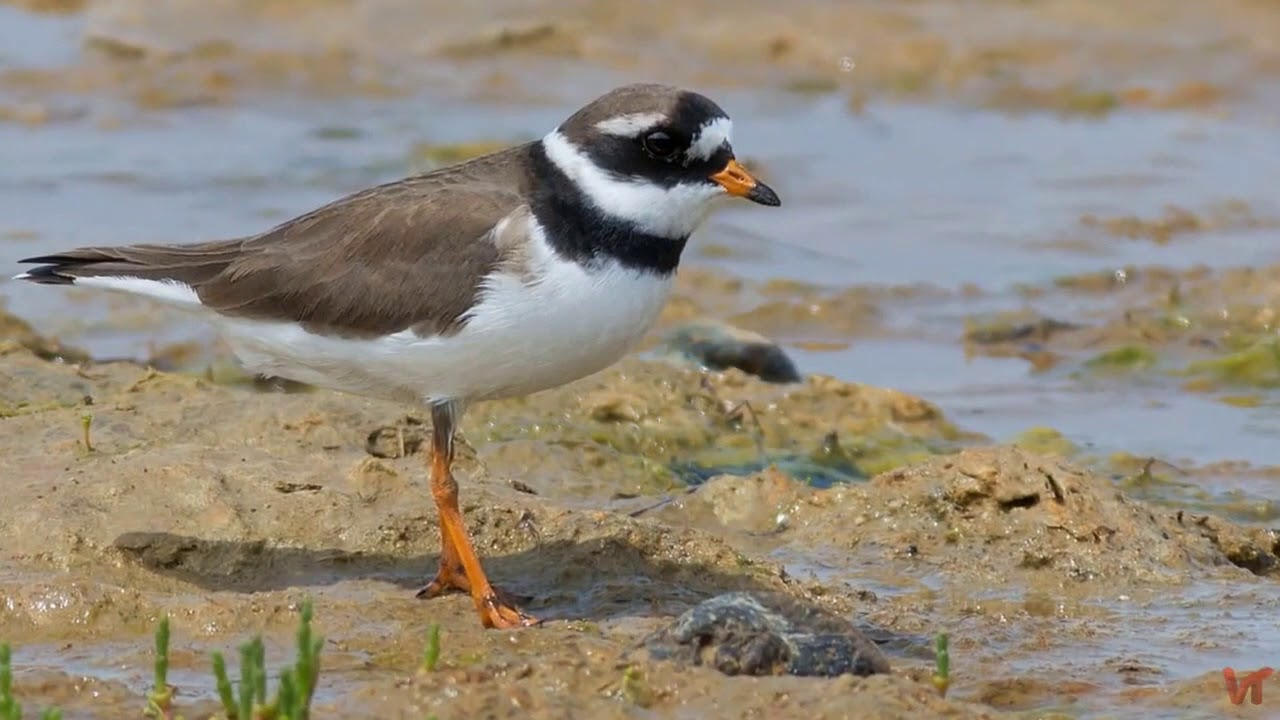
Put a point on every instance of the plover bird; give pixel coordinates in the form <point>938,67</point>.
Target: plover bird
<point>500,276</point>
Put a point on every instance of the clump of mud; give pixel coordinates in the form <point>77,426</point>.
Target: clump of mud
<point>1176,221</point>
<point>998,515</point>
<point>17,335</point>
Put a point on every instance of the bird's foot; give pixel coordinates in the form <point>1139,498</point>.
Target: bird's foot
<point>502,615</point>
<point>497,609</point>
<point>449,578</point>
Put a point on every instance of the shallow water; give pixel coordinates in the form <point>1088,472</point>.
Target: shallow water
<point>898,196</point>
<point>937,195</point>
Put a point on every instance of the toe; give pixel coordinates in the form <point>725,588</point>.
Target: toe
<point>445,581</point>
<point>432,589</point>
<point>509,619</point>
<point>501,616</point>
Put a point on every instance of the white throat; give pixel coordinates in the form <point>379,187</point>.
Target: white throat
<point>673,212</point>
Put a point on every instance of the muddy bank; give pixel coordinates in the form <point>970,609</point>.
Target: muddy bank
<point>225,506</point>
<point>1208,330</point>
<point>212,53</point>
<point>225,524</point>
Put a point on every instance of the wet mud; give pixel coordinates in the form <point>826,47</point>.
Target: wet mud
<point>1005,369</point>
<point>224,506</point>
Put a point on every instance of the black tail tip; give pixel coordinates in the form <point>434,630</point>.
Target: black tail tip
<point>44,275</point>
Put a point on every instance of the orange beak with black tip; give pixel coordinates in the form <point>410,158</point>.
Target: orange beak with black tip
<point>738,182</point>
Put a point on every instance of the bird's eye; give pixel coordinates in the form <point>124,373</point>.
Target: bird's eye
<point>660,145</point>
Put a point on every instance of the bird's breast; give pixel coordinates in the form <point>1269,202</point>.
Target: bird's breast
<point>561,323</point>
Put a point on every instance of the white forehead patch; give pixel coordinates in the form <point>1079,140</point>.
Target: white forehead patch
<point>630,125</point>
<point>710,137</point>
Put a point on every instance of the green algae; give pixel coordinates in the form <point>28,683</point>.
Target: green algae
<point>1257,365</point>
<point>1045,441</point>
<point>1127,358</point>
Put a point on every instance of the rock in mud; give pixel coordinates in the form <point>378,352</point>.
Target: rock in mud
<point>743,633</point>
<point>718,346</point>
<point>17,334</point>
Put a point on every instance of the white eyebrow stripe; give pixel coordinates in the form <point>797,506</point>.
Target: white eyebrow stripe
<point>630,125</point>
<point>713,134</point>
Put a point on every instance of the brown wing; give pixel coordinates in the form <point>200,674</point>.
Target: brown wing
<point>407,254</point>
<point>376,263</point>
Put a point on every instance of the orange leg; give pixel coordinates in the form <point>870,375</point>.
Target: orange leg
<point>459,566</point>
<point>450,577</point>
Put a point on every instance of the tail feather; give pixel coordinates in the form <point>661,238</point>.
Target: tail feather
<point>169,272</point>
<point>190,265</point>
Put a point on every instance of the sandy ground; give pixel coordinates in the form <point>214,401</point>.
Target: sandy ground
<point>225,506</point>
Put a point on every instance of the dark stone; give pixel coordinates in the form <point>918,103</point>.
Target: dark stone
<point>744,633</point>
<point>717,346</point>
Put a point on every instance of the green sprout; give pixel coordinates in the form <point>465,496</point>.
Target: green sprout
<point>85,422</point>
<point>292,701</point>
<point>10,708</point>
<point>942,661</point>
<point>296,686</point>
<point>431,654</point>
<point>223,684</point>
<point>160,699</point>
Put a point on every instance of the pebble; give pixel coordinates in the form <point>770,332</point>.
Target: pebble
<point>717,346</point>
<point>766,633</point>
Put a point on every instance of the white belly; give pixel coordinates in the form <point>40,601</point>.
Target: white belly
<point>563,323</point>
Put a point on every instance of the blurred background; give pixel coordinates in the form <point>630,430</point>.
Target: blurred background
<point>1057,219</point>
